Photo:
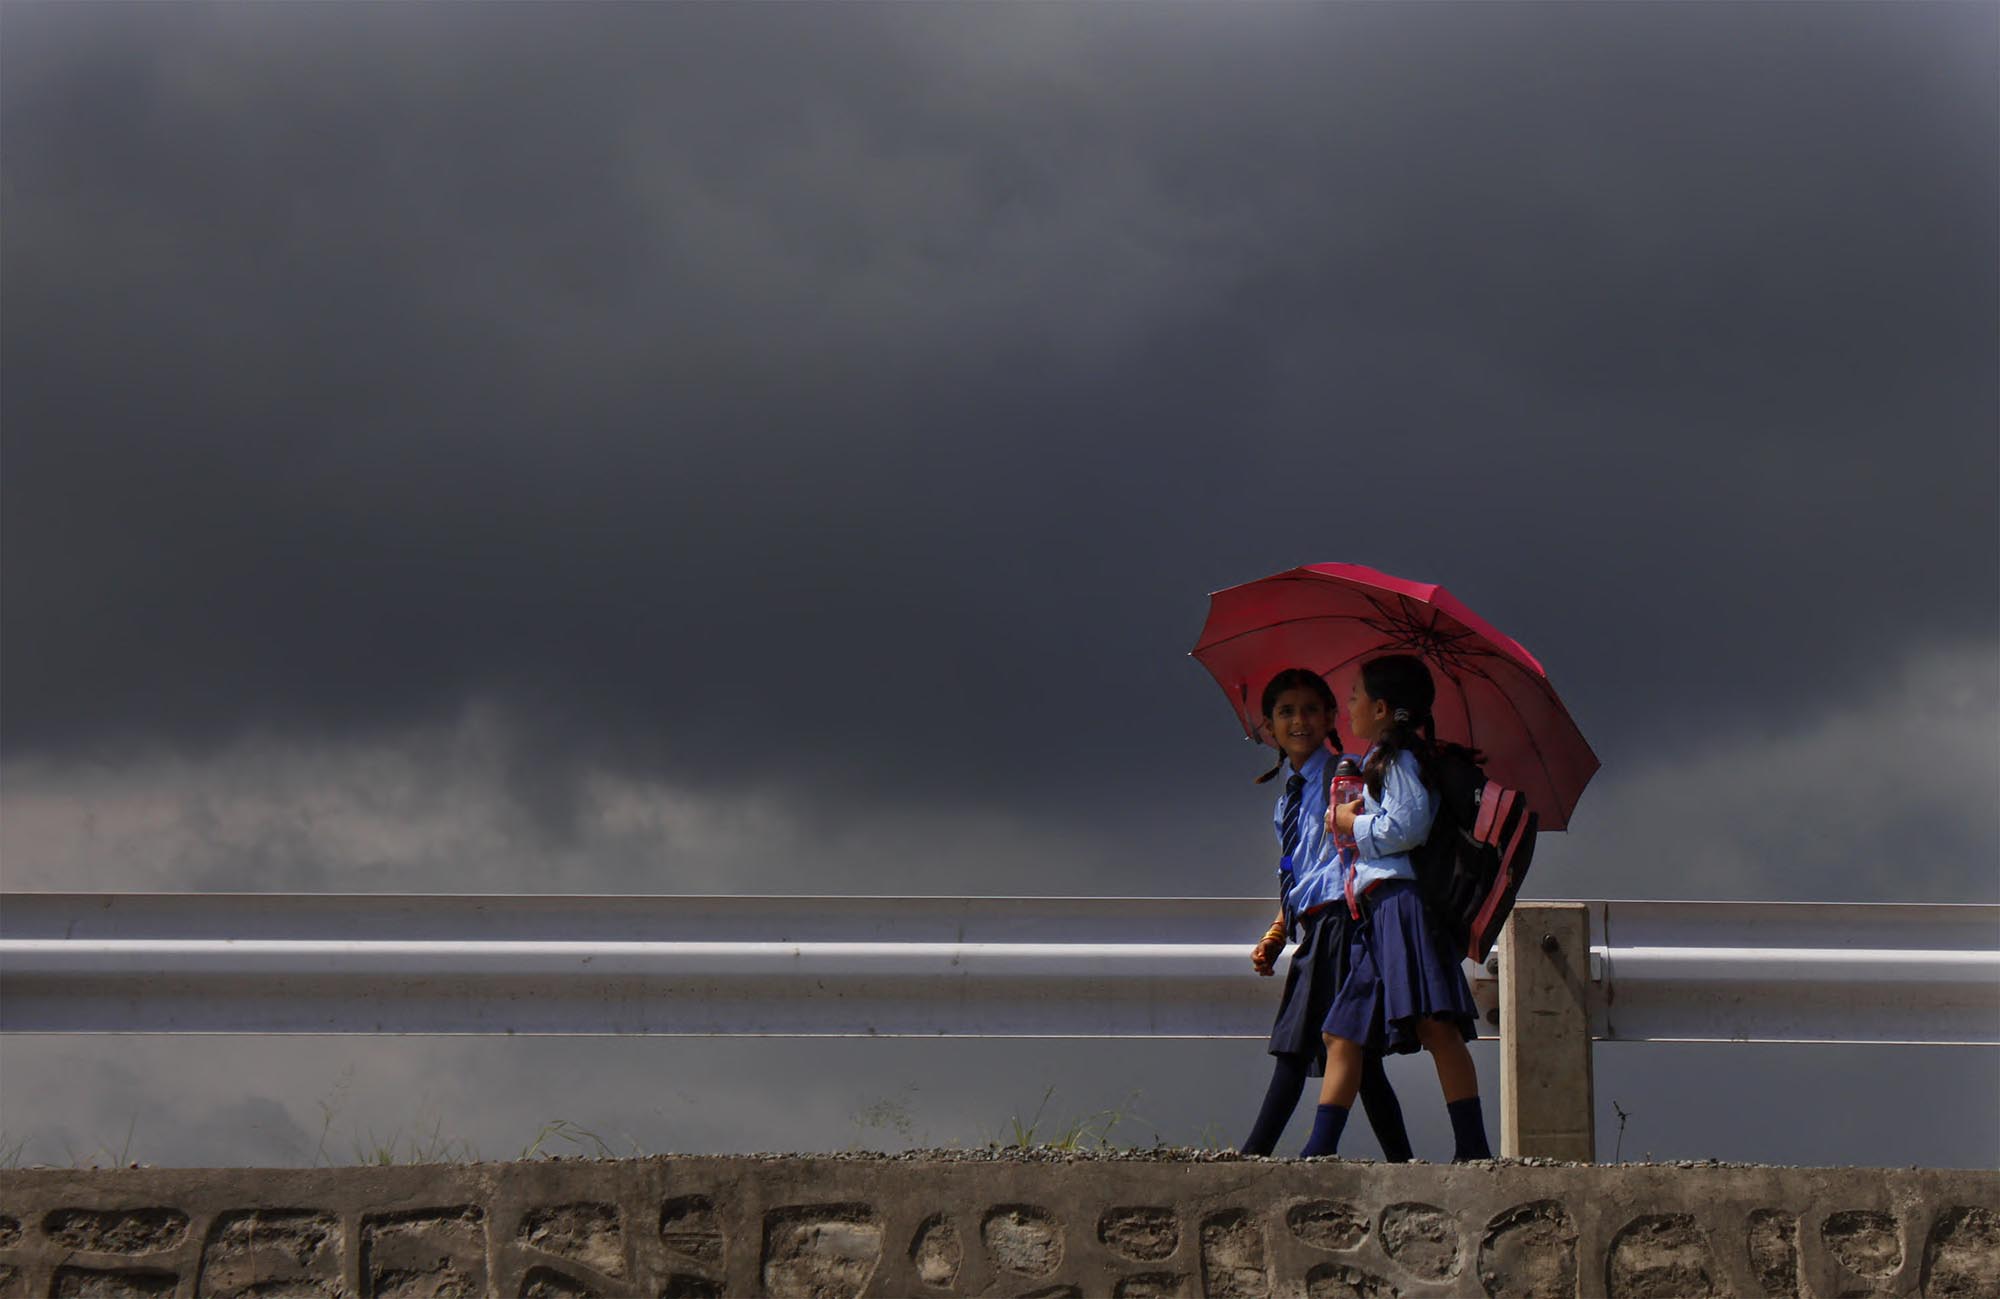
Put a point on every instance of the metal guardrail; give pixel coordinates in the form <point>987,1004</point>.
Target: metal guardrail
<point>1795,972</point>
<point>926,967</point>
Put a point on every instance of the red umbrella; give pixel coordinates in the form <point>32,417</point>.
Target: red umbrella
<point>1331,618</point>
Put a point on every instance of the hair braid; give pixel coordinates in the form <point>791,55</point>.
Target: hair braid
<point>1403,683</point>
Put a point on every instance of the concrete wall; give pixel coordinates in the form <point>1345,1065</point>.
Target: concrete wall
<point>1173,1224</point>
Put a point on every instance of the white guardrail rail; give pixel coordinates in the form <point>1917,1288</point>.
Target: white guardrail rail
<point>918,967</point>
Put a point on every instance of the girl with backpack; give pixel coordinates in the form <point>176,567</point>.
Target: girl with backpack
<point>1404,988</point>
<point>1299,711</point>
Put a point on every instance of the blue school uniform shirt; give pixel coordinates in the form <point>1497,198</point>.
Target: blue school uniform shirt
<point>1316,869</point>
<point>1392,825</point>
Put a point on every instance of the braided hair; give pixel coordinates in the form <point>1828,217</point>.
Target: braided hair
<point>1298,679</point>
<point>1402,682</point>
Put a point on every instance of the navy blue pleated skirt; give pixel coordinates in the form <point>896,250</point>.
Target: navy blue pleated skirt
<point>1398,972</point>
<point>1318,968</point>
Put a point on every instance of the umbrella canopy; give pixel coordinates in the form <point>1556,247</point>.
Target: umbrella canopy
<point>1331,618</point>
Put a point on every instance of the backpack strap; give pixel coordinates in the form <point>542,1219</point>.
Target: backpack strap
<point>1489,808</point>
<point>1515,854</point>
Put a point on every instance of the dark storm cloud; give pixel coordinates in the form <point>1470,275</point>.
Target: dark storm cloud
<point>785,449</point>
<point>886,386</point>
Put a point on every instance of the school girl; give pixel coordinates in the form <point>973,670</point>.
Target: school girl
<point>1403,990</point>
<point>1299,713</point>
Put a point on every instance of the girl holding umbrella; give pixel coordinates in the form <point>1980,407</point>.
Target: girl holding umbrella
<point>1424,669</point>
<point>1404,989</point>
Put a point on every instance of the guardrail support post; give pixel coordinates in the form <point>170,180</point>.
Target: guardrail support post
<point>1547,1108</point>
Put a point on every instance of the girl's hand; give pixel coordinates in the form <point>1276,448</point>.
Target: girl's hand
<point>1340,819</point>
<point>1264,956</point>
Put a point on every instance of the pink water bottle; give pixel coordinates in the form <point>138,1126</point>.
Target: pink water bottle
<point>1347,786</point>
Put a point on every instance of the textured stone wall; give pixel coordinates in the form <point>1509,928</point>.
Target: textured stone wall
<point>1011,1226</point>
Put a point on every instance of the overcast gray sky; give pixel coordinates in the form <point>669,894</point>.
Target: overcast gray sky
<point>778,449</point>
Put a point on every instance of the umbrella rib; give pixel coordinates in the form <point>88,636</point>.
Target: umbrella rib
<point>1457,673</point>
<point>1459,660</point>
<point>1526,730</point>
<point>1465,707</point>
<point>1529,731</point>
<point>1409,628</point>
<point>1335,667</point>
<point>1372,649</point>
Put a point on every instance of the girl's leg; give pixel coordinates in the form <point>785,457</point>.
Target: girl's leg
<point>1384,1111</point>
<point>1336,1096</point>
<point>1288,1079</point>
<point>1343,1072</point>
<point>1457,1075</point>
<point>1459,1080</point>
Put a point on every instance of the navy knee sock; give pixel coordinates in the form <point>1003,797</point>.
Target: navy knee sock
<point>1468,1130</point>
<point>1384,1111</point>
<point>1288,1079</point>
<point>1328,1121</point>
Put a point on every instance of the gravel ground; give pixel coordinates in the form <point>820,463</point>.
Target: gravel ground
<point>1159,1155</point>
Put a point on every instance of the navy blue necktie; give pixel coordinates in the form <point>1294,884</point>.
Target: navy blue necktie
<point>1288,835</point>
<point>1288,830</point>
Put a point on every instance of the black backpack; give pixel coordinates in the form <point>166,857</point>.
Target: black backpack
<point>1479,850</point>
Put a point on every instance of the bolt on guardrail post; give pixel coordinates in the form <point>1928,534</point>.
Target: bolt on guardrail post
<point>1546,1104</point>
